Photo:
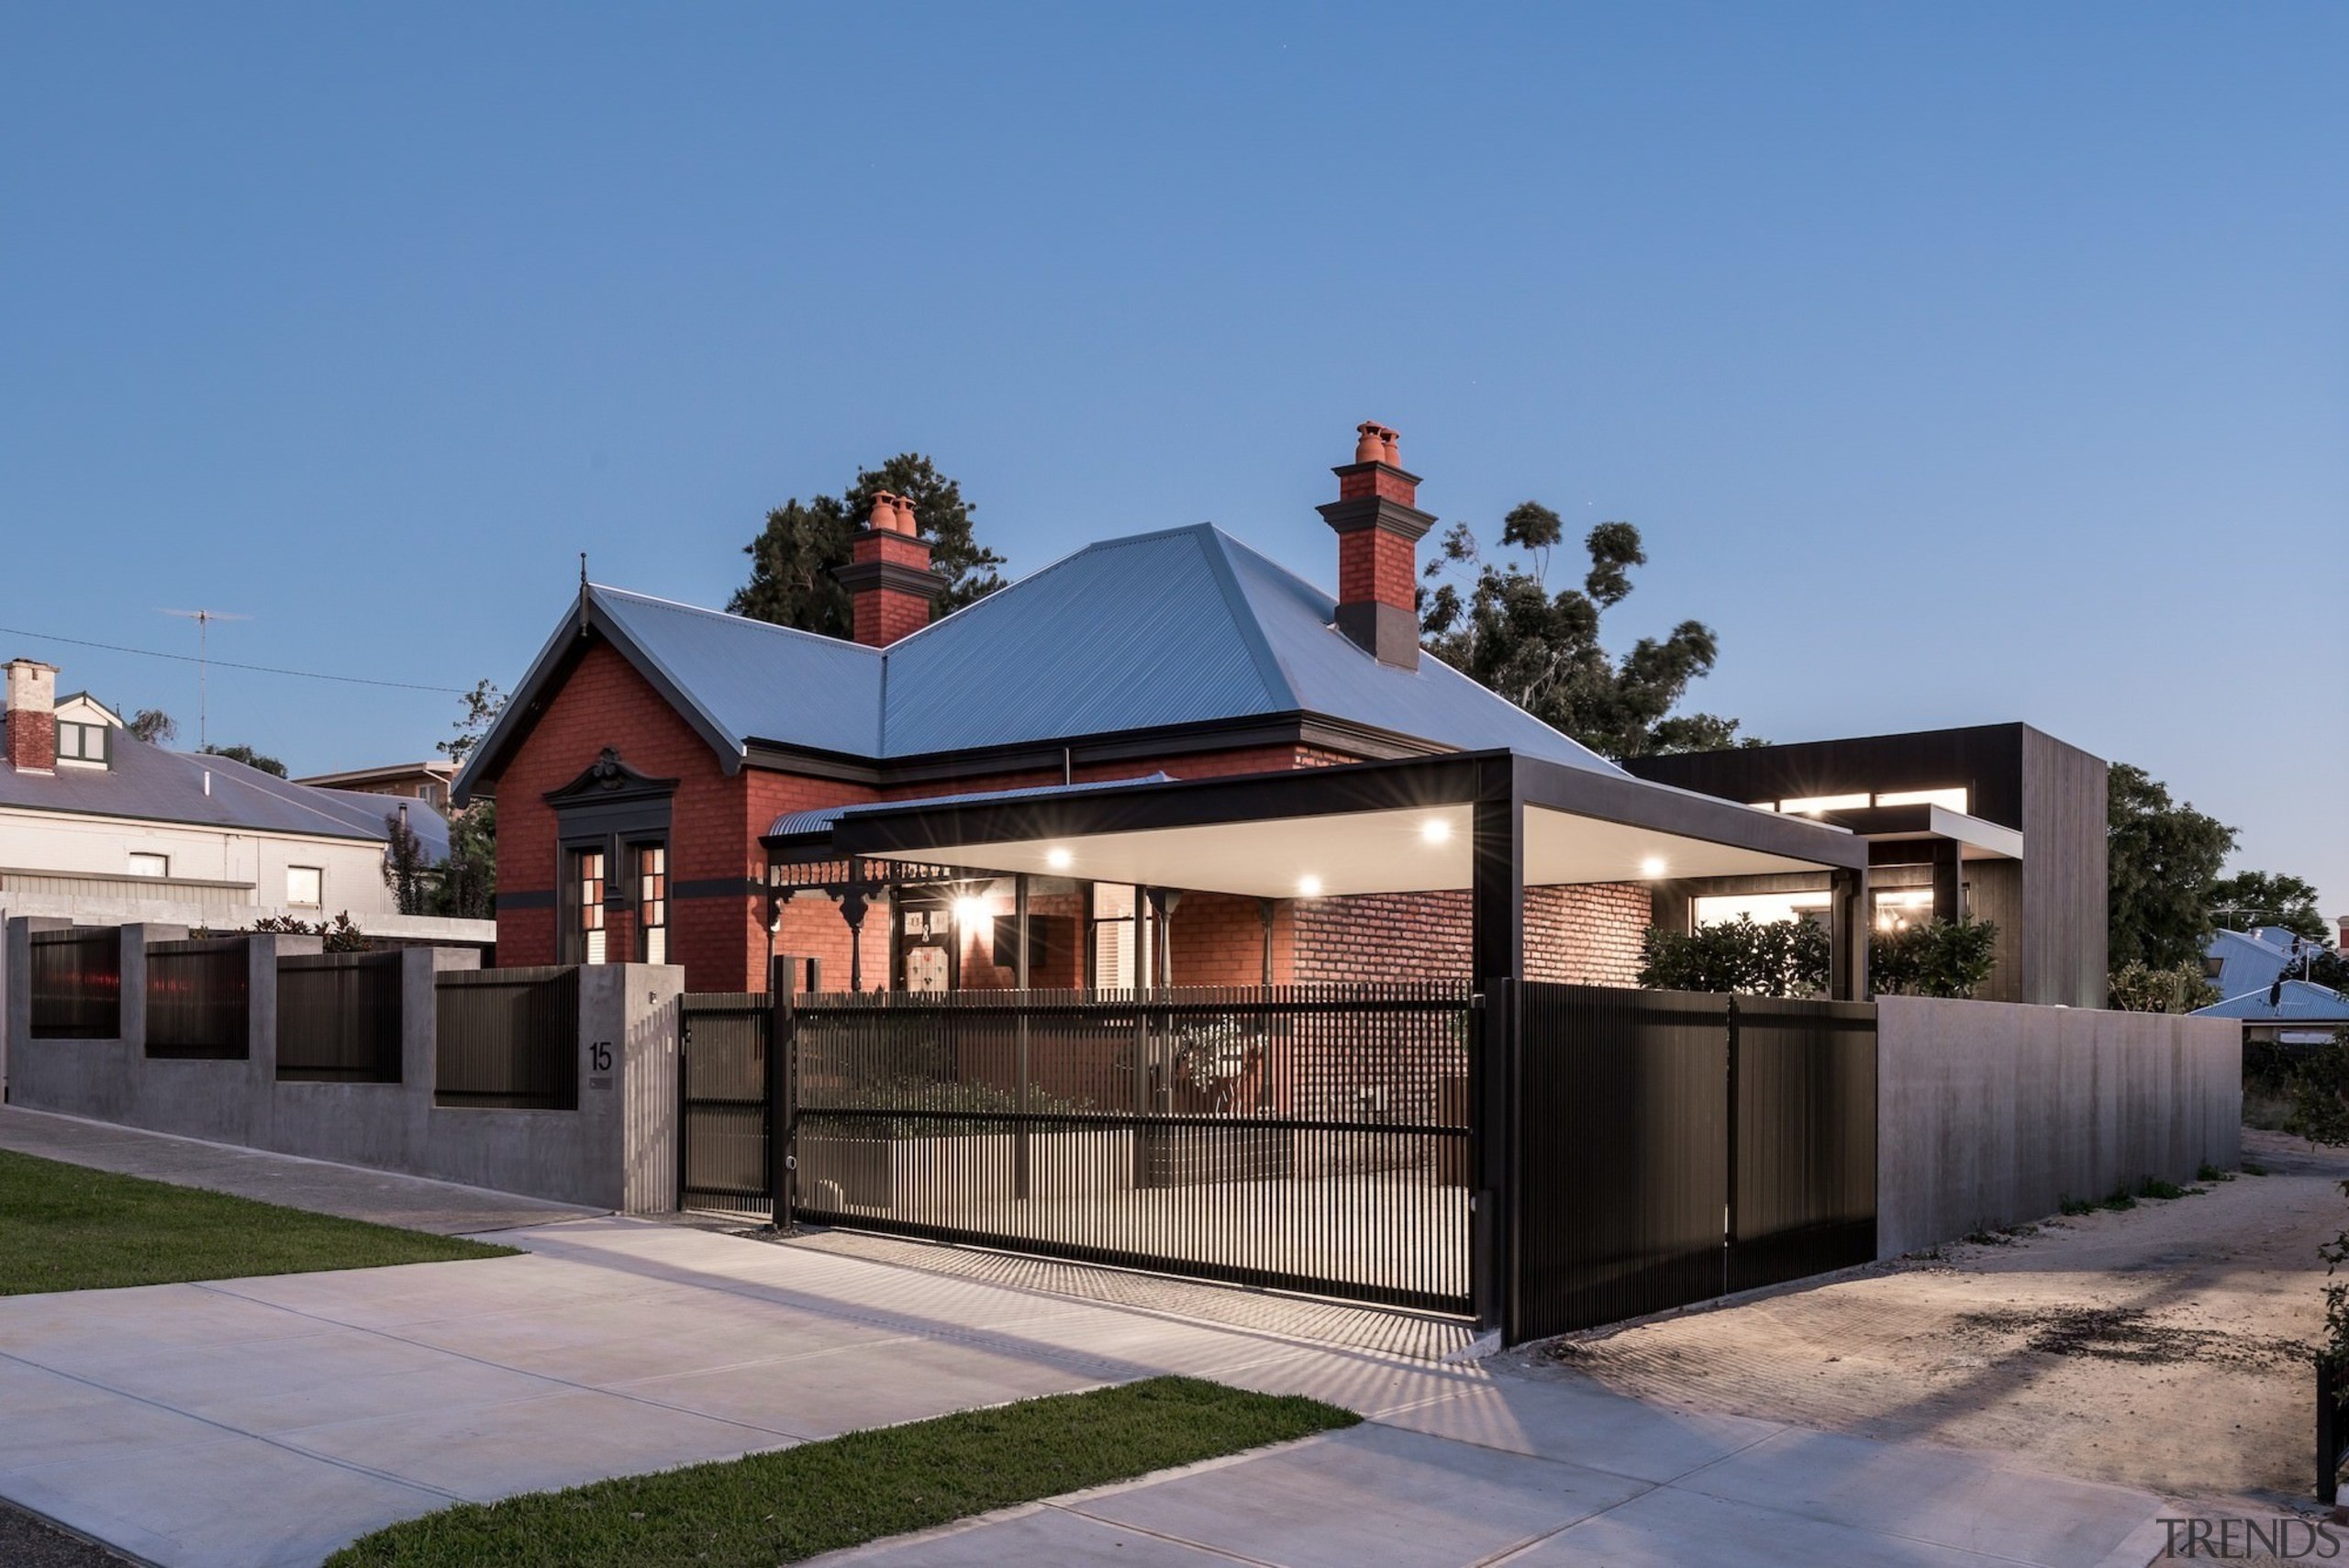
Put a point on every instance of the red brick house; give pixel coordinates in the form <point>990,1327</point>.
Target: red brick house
<point>667,776</point>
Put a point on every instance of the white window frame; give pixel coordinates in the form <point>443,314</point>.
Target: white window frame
<point>318,887</point>
<point>147,863</point>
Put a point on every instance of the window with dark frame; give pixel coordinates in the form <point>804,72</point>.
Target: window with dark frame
<point>652,903</point>
<point>587,881</point>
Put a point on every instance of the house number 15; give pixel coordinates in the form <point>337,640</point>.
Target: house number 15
<point>599,1056</point>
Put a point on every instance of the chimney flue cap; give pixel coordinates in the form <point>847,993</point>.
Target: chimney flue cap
<point>1371,445</point>
<point>890,513</point>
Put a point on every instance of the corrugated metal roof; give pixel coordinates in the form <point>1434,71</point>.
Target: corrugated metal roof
<point>2302,1001</point>
<point>1182,626</point>
<point>1130,634</point>
<point>146,783</point>
<point>822,819</point>
<point>754,681</point>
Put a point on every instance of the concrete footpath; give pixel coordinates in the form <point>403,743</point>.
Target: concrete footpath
<point>259,1422</point>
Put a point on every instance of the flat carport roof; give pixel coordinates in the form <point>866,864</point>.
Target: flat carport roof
<point>1412,825</point>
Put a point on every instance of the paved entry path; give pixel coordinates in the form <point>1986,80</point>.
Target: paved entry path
<point>259,1422</point>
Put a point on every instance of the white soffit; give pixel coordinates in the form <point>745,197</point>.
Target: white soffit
<point>1417,850</point>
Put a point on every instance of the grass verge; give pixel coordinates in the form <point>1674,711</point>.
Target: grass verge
<point>821,1497</point>
<point>67,1227</point>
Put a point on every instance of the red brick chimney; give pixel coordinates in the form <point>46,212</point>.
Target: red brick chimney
<point>1380,531</point>
<point>32,716</point>
<point>888,579</point>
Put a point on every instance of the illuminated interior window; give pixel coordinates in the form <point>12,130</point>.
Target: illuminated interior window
<point>1899,909</point>
<point>588,879</point>
<point>652,901</point>
<point>1826,803</point>
<point>1952,799</point>
<point>1761,908</point>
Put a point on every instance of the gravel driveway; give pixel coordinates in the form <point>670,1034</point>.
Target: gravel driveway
<point>2163,1346</point>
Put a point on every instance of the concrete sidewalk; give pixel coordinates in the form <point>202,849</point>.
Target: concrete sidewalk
<point>414,1203</point>
<point>263,1421</point>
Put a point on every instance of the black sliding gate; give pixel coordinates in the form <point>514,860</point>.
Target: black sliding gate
<point>1667,1146</point>
<point>1674,1147</point>
<point>1297,1138</point>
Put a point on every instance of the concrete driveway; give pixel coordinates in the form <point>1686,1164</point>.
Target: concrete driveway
<point>265,1421</point>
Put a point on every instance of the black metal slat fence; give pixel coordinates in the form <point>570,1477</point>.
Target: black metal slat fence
<point>338,1017</point>
<point>1802,1193</point>
<point>197,1005</point>
<point>1298,1137</point>
<point>509,1039</point>
<point>1624,1155</point>
<point>77,981</point>
<point>1674,1147</point>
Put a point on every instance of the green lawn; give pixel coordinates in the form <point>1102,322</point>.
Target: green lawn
<point>821,1497</point>
<point>65,1228</point>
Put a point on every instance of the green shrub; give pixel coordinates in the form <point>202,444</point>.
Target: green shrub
<point>1944,957</point>
<point>2137,988</point>
<point>1775,958</point>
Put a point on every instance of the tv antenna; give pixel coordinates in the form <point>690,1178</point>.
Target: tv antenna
<point>203,619</point>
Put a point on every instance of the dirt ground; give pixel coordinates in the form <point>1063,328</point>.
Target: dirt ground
<point>2165,1346</point>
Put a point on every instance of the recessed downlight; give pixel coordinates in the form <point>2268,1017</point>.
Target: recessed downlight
<point>1308,888</point>
<point>1652,867</point>
<point>1059,859</point>
<point>1436,830</point>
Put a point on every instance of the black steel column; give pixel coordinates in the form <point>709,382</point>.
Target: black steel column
<point>1850,921</point>
<point>1019,1063</point>
<point>783,1109</point>
<point>1497,947</point>
<point>1949,888</point>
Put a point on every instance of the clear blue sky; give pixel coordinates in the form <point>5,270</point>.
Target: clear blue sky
<point>1960,364</point>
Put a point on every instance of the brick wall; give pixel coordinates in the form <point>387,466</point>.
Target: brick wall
<point>1584,935</point>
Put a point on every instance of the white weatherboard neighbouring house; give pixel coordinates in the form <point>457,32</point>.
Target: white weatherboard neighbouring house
<point>99,828</point>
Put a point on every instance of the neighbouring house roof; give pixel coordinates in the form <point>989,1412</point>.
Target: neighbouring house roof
<point>436,767</point>
<point>2250,960</point>
<point>822,819</point>
<point>1181,628</point>
<point>146,783</point>
<point>2297,1001</point>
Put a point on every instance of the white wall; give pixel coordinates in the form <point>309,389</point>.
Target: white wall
<point>245,867</point>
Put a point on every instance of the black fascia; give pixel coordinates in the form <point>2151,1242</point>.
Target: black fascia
<point>1638,803</point>
<point>1400,784</point>
<point>1397,784</point>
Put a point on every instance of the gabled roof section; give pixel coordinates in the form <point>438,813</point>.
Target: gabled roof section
<point>146,783</point>
<point>2297,1001</point>
<point>1135,633</point>
<point>1186,626</point>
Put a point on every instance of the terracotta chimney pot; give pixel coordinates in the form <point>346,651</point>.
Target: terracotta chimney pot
<point>1370,447</point>
<point>1390,447</point>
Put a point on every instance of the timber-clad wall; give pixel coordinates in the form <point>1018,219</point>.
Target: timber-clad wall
<point>2065,876</point>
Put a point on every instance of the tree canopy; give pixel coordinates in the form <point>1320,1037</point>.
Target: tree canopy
<point>792,559</point>
<point>1542,651</point>
<point>2267,898</point>
<point>248,756</point>
<point>2165,861</point>
<point>153,725</point>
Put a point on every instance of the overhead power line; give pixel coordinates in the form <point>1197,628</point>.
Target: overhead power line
<point>226,664</point>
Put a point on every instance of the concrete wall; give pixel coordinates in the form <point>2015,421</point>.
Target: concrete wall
<point>619,1149</point>
<point>1992,1114</point>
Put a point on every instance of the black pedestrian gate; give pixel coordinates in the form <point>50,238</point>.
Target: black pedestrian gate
<point>1674,1146</point>
<point>728,1098</point>
<point>1311,1139</point>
